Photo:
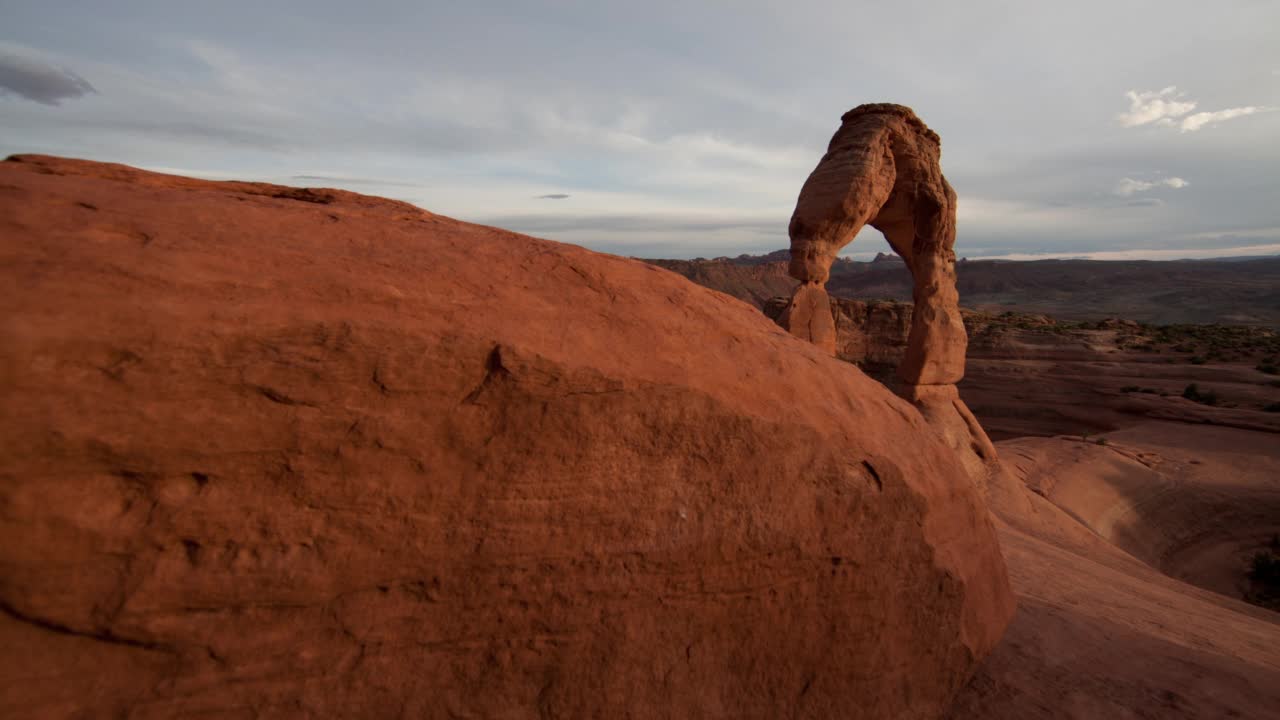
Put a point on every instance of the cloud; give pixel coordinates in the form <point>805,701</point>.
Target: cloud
<point>1261,232</point>
<point>552,196</point>
<point>1129,186</point>
<point>1166,108</point>
<point>25,75</point>
<point>343,181</point>
<point>1192,123</point>
<point>672,223</point>
<point>1155,107</point>
<point>1145,254</point>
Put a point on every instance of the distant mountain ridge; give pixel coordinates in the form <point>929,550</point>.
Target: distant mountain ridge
<point>1238,291</point>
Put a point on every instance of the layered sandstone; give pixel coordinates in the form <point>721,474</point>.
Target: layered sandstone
<point>282,452</point>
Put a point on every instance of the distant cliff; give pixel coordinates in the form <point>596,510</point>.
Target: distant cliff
<point>753,282</point>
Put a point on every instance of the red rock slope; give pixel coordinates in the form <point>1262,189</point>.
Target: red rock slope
<point>1101,634</point>
<point>269,451</point>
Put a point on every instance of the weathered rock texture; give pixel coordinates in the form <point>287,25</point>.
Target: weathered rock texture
<point>279,452</point>
<point>882,169</point>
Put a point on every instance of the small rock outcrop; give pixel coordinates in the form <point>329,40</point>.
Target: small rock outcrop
<point>266,456</point>
<point>883,168</point>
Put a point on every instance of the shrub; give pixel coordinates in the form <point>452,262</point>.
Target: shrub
<point>1265,569</point>
<point>1198,360</point>
<point>1268,368</point>
<point>1129,389</point>
<point>1273,407</point>
<point>1193,393</point>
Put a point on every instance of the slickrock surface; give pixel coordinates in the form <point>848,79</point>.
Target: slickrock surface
<point>280,452</point>
<point>1103,633</point>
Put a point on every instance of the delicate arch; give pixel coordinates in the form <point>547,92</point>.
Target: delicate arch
<point>882,168</point>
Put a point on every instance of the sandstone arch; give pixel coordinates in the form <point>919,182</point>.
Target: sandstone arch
<point>882,168</point>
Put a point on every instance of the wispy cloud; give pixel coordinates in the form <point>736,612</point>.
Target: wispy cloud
<point>1169,108</point>
<point>341,180</point>
<point>1129,186</point>
<point>24,73</point>
<point>1200,119</point>
<point>552,196</point>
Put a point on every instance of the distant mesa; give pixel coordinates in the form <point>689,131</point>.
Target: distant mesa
<point>553,196</point>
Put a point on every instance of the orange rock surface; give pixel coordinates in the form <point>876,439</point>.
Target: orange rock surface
<point>1102,555</point>
<point>285,452</point>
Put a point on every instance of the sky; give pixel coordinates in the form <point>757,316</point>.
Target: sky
<point>1114,129</point>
